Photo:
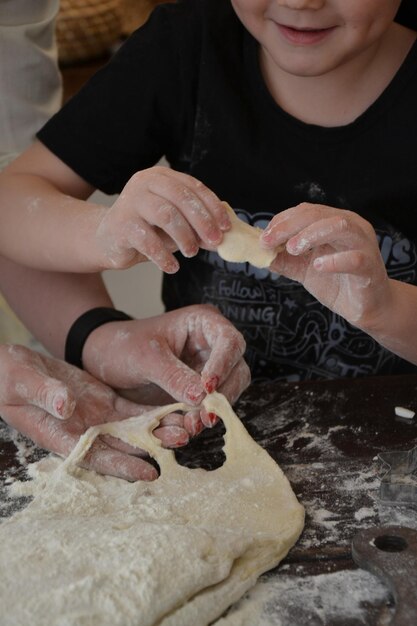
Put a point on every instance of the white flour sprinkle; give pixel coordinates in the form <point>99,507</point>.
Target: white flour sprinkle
<point>314,600</point>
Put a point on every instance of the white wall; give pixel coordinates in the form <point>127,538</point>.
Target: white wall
<point>136,291</point>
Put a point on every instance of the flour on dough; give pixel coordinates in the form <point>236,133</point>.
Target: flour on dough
<point>241,243</point>
<point>96,550</point>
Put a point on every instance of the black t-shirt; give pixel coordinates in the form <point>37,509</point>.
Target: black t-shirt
<point>407,14</point>
<point>188,85</point>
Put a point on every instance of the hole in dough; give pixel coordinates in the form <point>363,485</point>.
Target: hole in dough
<point>204,451</point>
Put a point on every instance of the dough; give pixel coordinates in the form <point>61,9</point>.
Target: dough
<point>94,550</point>
<point>241,244</point>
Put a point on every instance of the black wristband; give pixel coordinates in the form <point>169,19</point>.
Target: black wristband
<point>83,326</point>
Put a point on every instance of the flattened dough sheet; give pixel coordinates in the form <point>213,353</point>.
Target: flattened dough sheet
<point>96,550</point>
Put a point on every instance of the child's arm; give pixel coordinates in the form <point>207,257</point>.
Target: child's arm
<point>43,203</point>
<point>334,253</point>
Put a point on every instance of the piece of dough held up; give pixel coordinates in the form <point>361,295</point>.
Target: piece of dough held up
<point>241,244</point>
<point>94,550</point>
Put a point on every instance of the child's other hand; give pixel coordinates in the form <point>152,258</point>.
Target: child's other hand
<point>334,253</point>
<point>160,211</point>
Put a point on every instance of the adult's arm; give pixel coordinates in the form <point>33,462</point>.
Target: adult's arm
<point>49,302</point>
<point>185,353</point>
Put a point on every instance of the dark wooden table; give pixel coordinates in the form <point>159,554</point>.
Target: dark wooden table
<point>326,436</point>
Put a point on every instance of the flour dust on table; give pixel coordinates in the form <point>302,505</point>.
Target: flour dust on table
<point>96,550</point>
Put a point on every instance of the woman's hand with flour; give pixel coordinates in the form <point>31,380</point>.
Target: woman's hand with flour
<point>54,403</point>
<point>184,353</point>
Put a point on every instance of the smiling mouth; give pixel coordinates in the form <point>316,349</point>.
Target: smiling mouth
<point>304,36</point>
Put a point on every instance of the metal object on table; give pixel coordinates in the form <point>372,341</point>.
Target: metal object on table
<point>390,553</point>
<point>399,483</point>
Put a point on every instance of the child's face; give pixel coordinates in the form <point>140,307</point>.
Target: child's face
<point>313,37</point>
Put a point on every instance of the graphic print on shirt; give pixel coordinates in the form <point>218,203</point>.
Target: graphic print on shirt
<point>289,334</point>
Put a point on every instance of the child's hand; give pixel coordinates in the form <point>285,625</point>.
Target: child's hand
<point>35,390</point>
<point>334,253</point>
<point>186,353</point>
<point>160,211</point>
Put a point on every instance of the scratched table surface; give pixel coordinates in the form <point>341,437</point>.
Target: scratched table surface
<point>326,436</point>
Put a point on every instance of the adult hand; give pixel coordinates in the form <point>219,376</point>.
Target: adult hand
<point>54,403</point>
<point>187,353</point>
<point>334,253</point>
<point>159,211</point>
<point>26,380</point>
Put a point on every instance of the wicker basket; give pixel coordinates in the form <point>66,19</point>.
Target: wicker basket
<point>136,12</point>
<point>87,29</point>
